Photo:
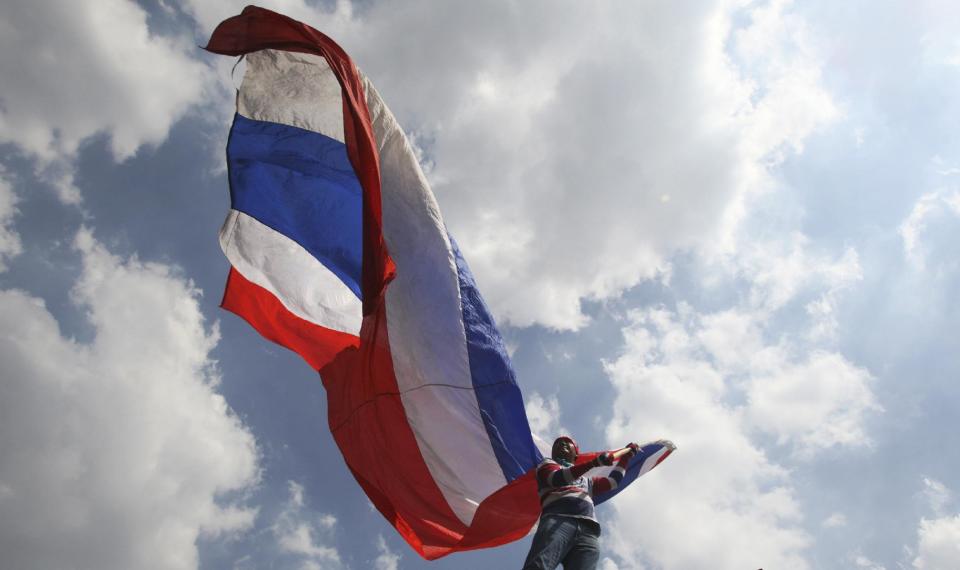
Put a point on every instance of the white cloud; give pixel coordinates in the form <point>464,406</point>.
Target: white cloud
<point>299,533</point>
<point>778,54</point>
<point>817,403</point>
<point>386,558</point>
<point>862,561</point>
<point>914,224</point>
<point>608,564</point>
<point>779,269</point>
<point>117,451</point>
<point>713,382</point>
<point>928,208</point>
<point>10,245</point>
<point>719,490</point>
<point>797,388</point>
<point>938,538</point>
<point>835,520</point>
<point>938,544</point>
<point>75,69</point>
<point>937,494</point>
<point>809,399</point>
<point>544,417</point>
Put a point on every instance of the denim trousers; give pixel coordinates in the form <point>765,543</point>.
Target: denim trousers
<point>571,540</point>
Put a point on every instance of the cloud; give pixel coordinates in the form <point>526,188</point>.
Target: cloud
<point>938,538</point>
<point>73,70</point>
<point>297,533</point>
<point>835,520</point>
<point>780,269</point>
<point>10,245</point>
<point>776,272</point>
<point>658,168</point>
<point>608,564</point>
<point>863,562</point>
<point>809,399</point>
<point>386,558</point>
<point>937,494</point>
<point>118,452</point>
<point>544,415</point>
<point>719,490</point>
<point>797,387</point>
<point>817,403</point>
<point>720,383</point>
<point>930,207</point>
<point>938,544</point>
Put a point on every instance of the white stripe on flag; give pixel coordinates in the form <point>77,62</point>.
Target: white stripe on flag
<point>426,331</point>
<point>290,88</point>
<point>651,462</point>
<point>280,265</point>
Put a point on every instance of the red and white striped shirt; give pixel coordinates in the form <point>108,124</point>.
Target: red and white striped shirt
<point>568,492</point>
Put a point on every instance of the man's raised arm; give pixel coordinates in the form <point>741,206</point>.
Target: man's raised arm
<point>612,480</point>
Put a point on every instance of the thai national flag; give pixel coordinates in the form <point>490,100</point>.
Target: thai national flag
<point>339,253</point>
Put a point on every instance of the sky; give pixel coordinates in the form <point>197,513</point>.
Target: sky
<point>722,222</point>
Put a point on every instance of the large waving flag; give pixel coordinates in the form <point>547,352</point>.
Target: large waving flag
<point>339,253</point>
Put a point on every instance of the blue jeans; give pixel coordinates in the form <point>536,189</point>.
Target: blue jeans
<point>570,540</point>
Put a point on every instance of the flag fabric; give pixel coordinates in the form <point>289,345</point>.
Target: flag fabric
<point>339,253</point>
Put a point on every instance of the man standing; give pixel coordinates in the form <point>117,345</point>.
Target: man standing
<point>569,531</point>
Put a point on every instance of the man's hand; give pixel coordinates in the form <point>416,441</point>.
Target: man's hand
<point>605,459</point>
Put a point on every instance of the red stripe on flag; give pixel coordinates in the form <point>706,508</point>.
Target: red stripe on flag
<point>369,423</point>
<point>259,307</point>
<point>504,516</point>
<point>664,456</point>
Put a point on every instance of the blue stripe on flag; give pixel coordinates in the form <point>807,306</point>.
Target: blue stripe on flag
<point>632,472</point>
<point>499,397</point>
<point>301,184</point>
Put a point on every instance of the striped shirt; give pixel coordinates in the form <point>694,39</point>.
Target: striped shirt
<point>567,491</point>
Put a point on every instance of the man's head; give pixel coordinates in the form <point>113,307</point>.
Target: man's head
<point>565,449</point>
